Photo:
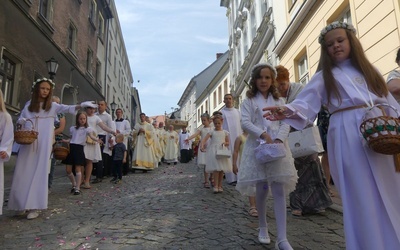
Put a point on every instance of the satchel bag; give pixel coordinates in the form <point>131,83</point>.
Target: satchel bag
<point>267,152</point>
<point>223,152</point>
<point>305,142</point>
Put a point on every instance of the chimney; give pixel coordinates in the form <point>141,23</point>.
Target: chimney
<point>219,55</point>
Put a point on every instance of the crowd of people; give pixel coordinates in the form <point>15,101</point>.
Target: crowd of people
<point>344,85</point>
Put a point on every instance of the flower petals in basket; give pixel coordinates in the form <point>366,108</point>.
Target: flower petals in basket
<point>25,137</point>
<point>267,152</point>
<point>382,133</point>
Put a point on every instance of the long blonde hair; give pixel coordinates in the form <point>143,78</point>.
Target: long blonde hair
<point>2,104</point>
<point>375,82</point>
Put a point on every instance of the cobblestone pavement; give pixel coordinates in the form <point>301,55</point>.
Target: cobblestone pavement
<point>167,208</point>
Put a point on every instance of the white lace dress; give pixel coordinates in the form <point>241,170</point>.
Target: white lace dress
<point>252,172</point>
<point>215,142</point>
<point>201,156</point>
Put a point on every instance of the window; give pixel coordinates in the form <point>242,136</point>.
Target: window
<point>198,116</point>
<point>46,9</point>
<point>303,69</point>
<point>109,52</point>
<point>291,4</point>
<point>92,11</point>
<point>98,72</point>
<point>219,94</point>
<point>215,99</point>
<point>72,37</point>
<point>115,65</point>
<point>245,42</point>
<point>7,78</point>
<point>206,105</point>
<point>253,23</point>
<point>345,16</point>
<point>89,60</point>
<point>225,87</point>
<point>100,31</point>
<point>239,57</point>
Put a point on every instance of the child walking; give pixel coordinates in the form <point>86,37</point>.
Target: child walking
<point>76,156</point>
<point>346,82</point>
<point>255,179</point>
<point>29,189</point>
<point>6,141</point>
<point>119,158</point>
<point>201,156</point>
<point>236,157</point>
<point>219,138</point>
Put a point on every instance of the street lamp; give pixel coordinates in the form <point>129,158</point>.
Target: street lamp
<point>52,66</point>
<point>113,106</point>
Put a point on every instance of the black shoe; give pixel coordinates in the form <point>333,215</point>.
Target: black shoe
<point>73,190</point>
<point>175,163</point>
<point>97,180</point>
<point>77,192</point>
<point>113,179</point>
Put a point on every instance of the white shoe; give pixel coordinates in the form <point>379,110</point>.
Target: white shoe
<point>285,245</point>
<point>264,239</point>
<point>32,215</point>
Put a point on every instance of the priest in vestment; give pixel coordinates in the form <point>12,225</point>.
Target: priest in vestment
<point>171,148</point>
<point>143,154</point>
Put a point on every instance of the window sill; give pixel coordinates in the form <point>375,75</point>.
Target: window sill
<point>72,54</point>
<point>46,22</point>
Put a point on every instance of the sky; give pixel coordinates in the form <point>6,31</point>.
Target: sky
<point>168,42</point>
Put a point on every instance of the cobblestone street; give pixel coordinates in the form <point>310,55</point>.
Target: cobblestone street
<point>167,208</point>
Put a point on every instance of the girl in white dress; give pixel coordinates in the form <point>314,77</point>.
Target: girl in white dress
<point>201,156</point>
<point>29,189</point>
<point>219,138</point>
<point>76,156</point>
<point>280,176</point>
<point>93,150</point>
<point>6,141</point>
<point>346,82</point>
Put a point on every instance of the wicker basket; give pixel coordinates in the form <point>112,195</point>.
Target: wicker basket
<point>25,137</point>
<point>382,132</point>
<point>60,152</point>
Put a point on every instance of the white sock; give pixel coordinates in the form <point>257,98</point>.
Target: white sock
<point>78,180</point>
<point>279,209</point>
<point>261,204</point>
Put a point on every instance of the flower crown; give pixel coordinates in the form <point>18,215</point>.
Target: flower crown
<point>272,68</point>
<point>335,25</point>
<point>44,79</point>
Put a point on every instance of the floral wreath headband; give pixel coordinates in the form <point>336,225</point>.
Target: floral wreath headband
<point>44,79</point>
<point>272,68</point>
<point>335,25</point>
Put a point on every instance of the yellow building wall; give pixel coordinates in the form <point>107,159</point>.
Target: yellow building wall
<point>377,24</point>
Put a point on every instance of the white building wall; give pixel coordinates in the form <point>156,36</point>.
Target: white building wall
<point>119,76</point>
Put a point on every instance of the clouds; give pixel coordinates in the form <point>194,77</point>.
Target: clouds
<point>169,42</point>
